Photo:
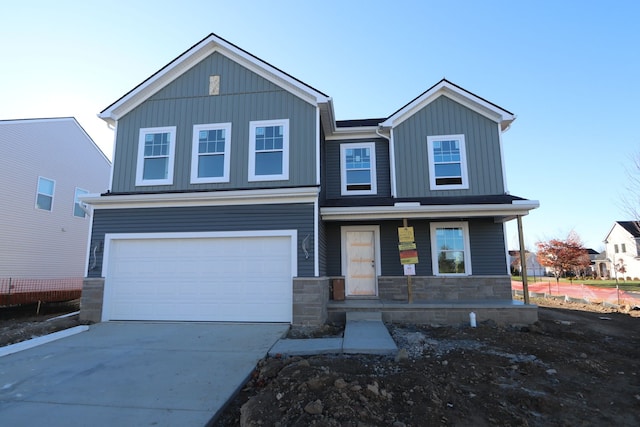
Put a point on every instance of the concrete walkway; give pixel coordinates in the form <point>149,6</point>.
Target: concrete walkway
<point>364,333</point>
<point>132,373</point>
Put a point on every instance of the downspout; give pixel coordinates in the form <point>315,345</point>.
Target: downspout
<point>392,168</point>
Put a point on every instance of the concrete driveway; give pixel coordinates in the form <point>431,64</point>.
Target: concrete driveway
<point>132,373</point>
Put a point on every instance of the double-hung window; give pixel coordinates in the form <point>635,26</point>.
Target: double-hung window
<point>156,148</point>
<point>78,210</point>
<point>44,195</point>
<point>269,150</point>
<point>450,248</point>
<point>358,168</point>
<point>210,153</point>
<point>447,162</point>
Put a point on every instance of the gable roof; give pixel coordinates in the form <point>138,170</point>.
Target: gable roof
<point>632,227</point>
<point>192,56</point>
<point>458,94</point>
<point>71,121</point>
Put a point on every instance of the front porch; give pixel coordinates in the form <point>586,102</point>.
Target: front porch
<point>436,301</point>
<point>503,312</point>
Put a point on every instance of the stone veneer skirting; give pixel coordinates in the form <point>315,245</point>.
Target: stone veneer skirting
<point>436,300</point>
<point>458,288</point>
<point>310,297</point>
<point>91,299</point>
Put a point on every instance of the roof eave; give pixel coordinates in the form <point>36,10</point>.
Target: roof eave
<point>503,211</point>
<point>195,54</point>
<point>457,93</point>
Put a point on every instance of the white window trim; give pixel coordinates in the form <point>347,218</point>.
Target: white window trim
<point>343,168</point>
<point>195,179</point>
<point>140,164</point>
<point>38,193</point>
<point>463,163</point>
<point>435,252</point>
<point>75,200</point>
<point>285,150</point>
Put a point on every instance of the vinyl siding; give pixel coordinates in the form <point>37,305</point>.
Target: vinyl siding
<point>486,240</point>
<point>446,117</point>
<point>206,218</point>
<point>244,97</point>
<point>37,243</point>
<point>488,254</point>
<point>332,168</point>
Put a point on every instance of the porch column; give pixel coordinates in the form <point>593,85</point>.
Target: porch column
<point>523,261</point>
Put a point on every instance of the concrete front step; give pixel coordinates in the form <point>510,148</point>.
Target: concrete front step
<point>365,333</point>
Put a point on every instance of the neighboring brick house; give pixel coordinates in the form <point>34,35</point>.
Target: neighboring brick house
<point>237,196</point>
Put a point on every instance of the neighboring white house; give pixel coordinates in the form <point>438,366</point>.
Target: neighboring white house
<point>622,249</point>
<point>45,164</point>
<point>533,266</point>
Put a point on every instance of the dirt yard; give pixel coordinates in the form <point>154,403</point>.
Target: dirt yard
<point>578,366</point>
<point>25,322</point>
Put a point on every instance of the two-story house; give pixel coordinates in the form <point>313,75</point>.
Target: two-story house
<point>45,166</point>
<point>237,196</point>
<point>622,254</point>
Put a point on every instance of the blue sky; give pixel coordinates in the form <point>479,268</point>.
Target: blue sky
<point>569,70</point>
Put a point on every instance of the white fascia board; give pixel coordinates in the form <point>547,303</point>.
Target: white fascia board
<point>435,211</point>
<point>196,54</point>
<point>470,101</point>
<point>367,132</point>
<point>208,198</point>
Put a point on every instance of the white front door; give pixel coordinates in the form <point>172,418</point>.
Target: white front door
<point>359,260</point>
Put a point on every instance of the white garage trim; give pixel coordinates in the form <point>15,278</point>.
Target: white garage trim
<point>110,240</point>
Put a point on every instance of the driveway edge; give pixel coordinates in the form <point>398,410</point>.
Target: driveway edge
<point>34,342</point>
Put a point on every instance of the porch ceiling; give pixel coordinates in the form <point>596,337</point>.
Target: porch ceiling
<point>500,212</point>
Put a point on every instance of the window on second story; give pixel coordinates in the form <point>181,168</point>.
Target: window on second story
<point>155,156</point>
<point>450,248</point>
<point>269,150</point>
<point>615,248</point>
<point>210,153</point>
<point>78,210</point>
<point>623,248</point>
<point>447,162</point>
<point>44,195</point>
<point>358,168</point>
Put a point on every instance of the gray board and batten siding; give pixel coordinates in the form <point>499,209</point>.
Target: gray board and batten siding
<point>331,168</point>
<point>444,116</point>
<point>486,240</point>
<point>244,97</point>
<point>206,219</point>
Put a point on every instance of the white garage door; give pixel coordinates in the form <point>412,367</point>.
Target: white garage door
<point>245,279</point>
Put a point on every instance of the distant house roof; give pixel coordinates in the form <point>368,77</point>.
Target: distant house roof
<point>633,227</point>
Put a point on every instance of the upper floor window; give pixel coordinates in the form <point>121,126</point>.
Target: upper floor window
<point>358,168</point>
<point>269,150</point>
<point>210,153</point>
<point>77,204</point>
<point>447,162</point>
<point>450,248</point>
<point>44,195</point>
<point>615,248</point>
<point>623,247</point>
<point>156,148</point>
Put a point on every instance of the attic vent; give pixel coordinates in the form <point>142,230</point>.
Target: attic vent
<point>214,85</point>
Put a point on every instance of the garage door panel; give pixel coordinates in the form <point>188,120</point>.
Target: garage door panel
<point>206,279</point>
